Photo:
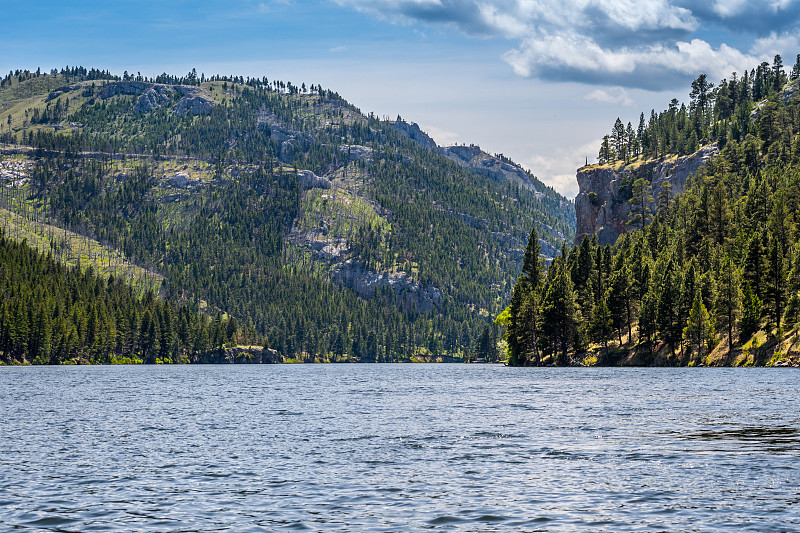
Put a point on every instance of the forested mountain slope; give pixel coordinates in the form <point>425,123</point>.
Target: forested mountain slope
<point>334,234</point>
<point>53,314</point>
<point>709,276</point>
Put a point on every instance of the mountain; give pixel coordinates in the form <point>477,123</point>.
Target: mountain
<point>332,234</point>
<point>688,239</point>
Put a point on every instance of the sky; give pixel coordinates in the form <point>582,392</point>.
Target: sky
<point>540,81</point>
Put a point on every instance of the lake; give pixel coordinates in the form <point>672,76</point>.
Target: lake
<point>398,447</point>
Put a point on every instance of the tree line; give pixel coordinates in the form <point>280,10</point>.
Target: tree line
<point>714,114</point>
<point>53,314</point>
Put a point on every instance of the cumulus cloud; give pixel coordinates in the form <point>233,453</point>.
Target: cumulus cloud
<point>616,95</point>
<point>442,136</point>
<point>651,44</point>
<point>557,169</point>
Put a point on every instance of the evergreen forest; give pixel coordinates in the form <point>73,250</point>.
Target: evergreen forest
<point>54,314</point>
<point>709,277</point>
<point>318,231</point>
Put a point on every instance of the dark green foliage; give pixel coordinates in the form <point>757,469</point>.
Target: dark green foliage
<point>54,314</point>
<point>716,113</point>
<point>641,197</point>
<point>232,242</point>
<point>559,311</point>
<point>717,260</point>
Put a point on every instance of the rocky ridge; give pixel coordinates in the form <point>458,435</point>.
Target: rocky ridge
<point>471,157</point>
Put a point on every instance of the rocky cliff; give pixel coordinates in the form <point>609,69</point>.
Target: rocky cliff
<point>602,205</point>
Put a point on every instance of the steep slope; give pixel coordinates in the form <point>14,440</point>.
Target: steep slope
<point>53,314</point>
<point>331,232</point>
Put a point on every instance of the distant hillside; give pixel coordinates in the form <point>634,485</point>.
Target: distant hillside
<point>334,234</point>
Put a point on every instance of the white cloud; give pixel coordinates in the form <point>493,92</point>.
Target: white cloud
<point>775,44</point>
<point>558,168</point>
<point>729,8</point>
<point>574,54</point>
<point>615,95</point>
<point>633,43</point>
<point>442,136</point>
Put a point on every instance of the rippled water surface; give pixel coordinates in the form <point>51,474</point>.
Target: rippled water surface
<point>398,447</point>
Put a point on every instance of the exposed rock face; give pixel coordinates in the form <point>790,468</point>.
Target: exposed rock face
<point>356,152</point>
<point>309,180</point>
<point>181,180</point>
<point>241,355</point>
<point>602,208</point>
<point>413,132</point>
<point>790,91</point>
<point>190,99</point>
<point>470,156</point>
<point>55,93</point>
<point>487,165</point>
<point>353,274</point>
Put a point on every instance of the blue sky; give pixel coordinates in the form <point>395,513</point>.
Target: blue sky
<point>538,80</point>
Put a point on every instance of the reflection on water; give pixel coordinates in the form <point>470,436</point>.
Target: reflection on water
<point>398,447</point>
<point>754,439</point>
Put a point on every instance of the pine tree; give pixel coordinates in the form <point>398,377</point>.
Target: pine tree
<point>699,329</point>
<point>619,296</point>
<point>515,332</point>
<point>559,311</point>
<point>601,325</point>
<point>532,265</point>
<point>668,298</point>
<point>664,197</point>
<point>776,283</point>
<point>755,265</point>
<point>751,313</point>
<point>641,198</point>
<point>606,154</point>
<point>729,298</point>
<point>618,138</point>
<point>795,69</point>
<point>648,319</point>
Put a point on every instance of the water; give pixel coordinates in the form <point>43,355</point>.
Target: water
<point>398,447</point>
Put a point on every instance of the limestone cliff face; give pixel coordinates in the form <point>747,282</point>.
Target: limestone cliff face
<point>602,206</point>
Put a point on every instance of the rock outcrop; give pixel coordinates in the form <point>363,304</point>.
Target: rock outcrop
<point>356,152</point>
<point>186,98</point>
<point>181,180</point>
<point>602,206</point>
<point>309,180</point>
<point>240,355</point>
<point>413,132</point>
<point>471,157</point>
<point>55,93</point>
<point>353,274</point>
<point>487,165</point>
